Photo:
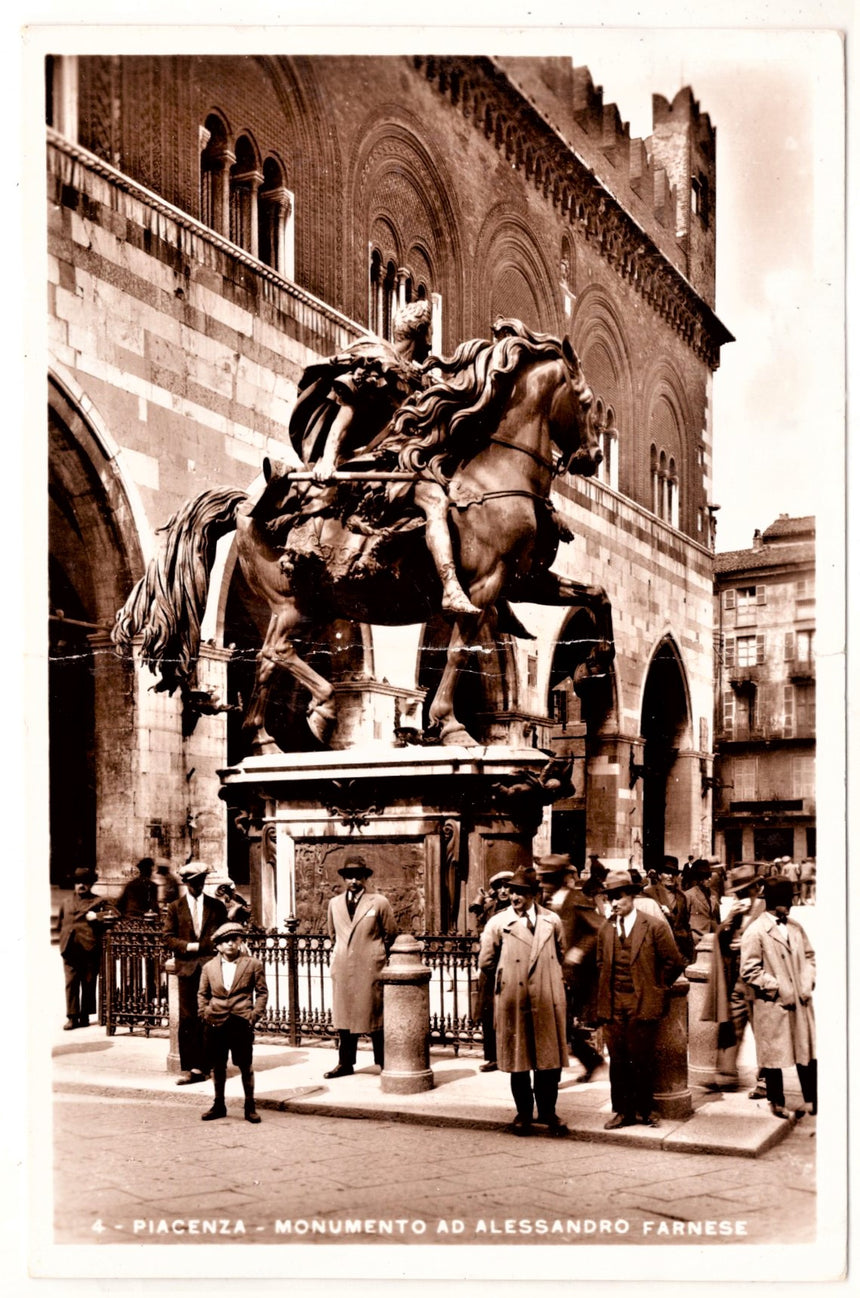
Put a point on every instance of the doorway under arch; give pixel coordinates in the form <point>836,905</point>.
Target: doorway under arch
<point>576,719</point>
<point>666,730</point>
<point>93,560</point>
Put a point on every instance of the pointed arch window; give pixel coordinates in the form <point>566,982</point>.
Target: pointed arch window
<point>216,159</point>
<point>245,181</point>
<point>275,221</point>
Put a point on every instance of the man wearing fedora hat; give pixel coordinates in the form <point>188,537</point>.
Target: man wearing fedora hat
<point>728,999</point>
<point>637,961</point>
<point>81,948</point>
<point>484,907</point>
<point>778,962</point>
<point>524,945</point>
<point>673,904</point>
<point>189,925</point>
<point>362,926</point>
<point>231,999</point>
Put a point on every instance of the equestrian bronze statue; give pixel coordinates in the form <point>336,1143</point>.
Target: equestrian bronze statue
<point>427,491</point>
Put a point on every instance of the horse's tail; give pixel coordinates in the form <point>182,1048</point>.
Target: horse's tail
<point>167,604</point>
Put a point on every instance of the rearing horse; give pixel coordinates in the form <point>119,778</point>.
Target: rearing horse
<point>485,431</point>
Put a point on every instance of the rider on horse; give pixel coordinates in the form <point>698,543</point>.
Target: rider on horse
<point>344,408</point>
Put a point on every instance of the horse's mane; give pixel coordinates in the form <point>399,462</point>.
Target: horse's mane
<point>445,424</point>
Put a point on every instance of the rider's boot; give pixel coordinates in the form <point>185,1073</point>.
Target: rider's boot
<point>454,598</point>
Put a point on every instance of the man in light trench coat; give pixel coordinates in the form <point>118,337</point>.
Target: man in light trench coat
<point>778,962</point>
<point>362,925</point>
<point>525,946</point>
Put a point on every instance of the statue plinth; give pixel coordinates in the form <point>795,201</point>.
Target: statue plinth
<point>433,823</point>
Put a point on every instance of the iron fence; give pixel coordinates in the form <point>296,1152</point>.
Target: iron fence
<point>298,974</point>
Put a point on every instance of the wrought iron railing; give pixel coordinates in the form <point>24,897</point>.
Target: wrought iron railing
<point>297,966</point>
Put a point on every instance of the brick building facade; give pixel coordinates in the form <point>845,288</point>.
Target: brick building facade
<point>765,700</point>
<point>215,224</point>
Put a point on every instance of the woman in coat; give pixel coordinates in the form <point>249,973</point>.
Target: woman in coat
<point>525,945</point>
<point>778,962</point>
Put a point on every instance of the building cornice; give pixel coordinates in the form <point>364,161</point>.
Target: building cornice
<point>481,90</point>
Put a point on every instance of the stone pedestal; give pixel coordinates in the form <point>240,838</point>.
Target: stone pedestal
<point>703,1036</point>
<point>432,823</point>
<point>406,1018</point>
<point>672,1095</point>
<point>173,1064</point>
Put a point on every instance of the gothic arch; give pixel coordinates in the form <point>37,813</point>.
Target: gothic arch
<point>397,177</point>
<point>600,339</point>
<point>512,275</point>
<point>94,556</point>
<point>667,730</point>
<point>668,424</point>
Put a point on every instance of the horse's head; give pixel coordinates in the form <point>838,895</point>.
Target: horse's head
<point>572,419</point>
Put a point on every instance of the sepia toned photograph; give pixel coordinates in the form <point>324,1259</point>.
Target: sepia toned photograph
<point>443,695</point>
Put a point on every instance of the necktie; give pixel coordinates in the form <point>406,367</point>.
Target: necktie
<point>622,935</point>
<point>781,919</point>
<point>197,905</point>
<point>530,923</point>
<point>351,899</point>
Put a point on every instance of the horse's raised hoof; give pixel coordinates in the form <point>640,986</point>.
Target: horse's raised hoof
<point>321,719</point>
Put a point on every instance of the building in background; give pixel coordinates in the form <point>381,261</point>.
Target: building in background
<point>216,224</point>
<point>764,766</point>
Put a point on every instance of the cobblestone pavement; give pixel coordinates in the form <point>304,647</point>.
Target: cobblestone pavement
<point>156,1174</point>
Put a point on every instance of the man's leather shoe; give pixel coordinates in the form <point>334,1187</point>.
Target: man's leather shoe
<point>69,1025</point>
<point>649,1120</point>
<point>83,1020</point>
<point>251,1115</point>
<point>217,1111</point>
<point>489,1067</point>
<point>589,1073</point>
<point>758,1093</point>
<point>619,1120</point>
<point>519,1127</point>
<point>342,1070</point>
<point>779,1111</point>
<point>188,1079</point>
<point>557,1128</point>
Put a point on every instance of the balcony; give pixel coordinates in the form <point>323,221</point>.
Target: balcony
<point>744,680</point>
<point>800,671</point>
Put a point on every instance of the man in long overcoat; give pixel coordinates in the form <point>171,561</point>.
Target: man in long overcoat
<point>728,999</point>
<point>525,945</point>
<point>362,926</point>
<point>485,905</point>
<point>778,962</point>
<point>189,926</point>
<point>637,961</point>
<point>81,948</point>
<point>581,919</point>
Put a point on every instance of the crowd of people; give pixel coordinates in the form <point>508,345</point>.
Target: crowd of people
<point>569,964</point>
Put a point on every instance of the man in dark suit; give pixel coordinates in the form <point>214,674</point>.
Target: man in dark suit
<point>637,960</point>
<point>81,948</point>
<point>673,904</point>
<point>189,925</point>
<point>231,999</point>
<point>362,925</point>
<point>140,895</point>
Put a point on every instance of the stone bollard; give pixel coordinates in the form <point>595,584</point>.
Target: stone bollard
<point>703,1036</point>
<point>406,1019</point>
<point>173,1064</point>
<point>672,1095</point>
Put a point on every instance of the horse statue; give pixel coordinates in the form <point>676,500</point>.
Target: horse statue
<point>483,431</point>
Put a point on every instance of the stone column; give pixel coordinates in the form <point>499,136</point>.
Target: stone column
<point>406,1017</point>
<point>703,1036</point>
<point>672,1095</point>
